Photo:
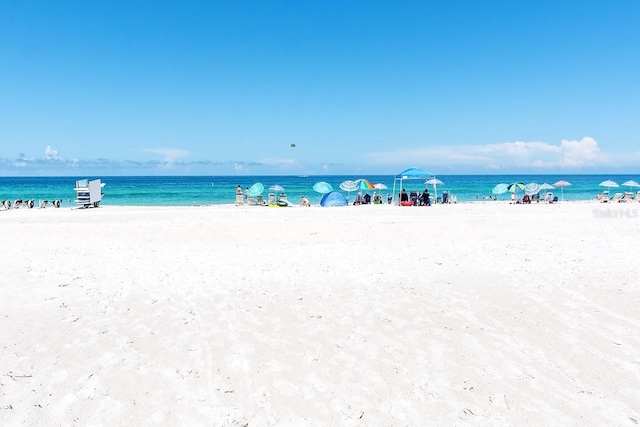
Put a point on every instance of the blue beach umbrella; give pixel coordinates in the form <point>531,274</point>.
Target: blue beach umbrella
<point>500,189</point>
<point>256,189</point>
<point>322,187</point>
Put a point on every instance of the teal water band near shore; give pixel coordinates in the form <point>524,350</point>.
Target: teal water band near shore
<point>213,190</point>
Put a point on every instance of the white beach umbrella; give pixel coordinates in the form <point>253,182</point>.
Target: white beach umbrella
<point>562,184</point>
<point>380,186</point>
<point>609,184</point>
<point>630,183</point>
<point>277,190</point>
<point>545,187</point>
<point>435,182</point>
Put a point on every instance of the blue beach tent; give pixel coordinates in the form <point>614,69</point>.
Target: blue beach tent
<point>407,174</point>
<point>333,198</point>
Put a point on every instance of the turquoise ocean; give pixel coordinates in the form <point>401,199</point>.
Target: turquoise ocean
<point>214,190</point>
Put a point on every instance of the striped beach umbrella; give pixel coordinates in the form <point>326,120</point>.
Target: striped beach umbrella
<point>514,187</point>
<point>532,188</point>
<point>348,186</point>
<point>364,184</point>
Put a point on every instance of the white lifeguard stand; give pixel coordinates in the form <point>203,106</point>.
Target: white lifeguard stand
<point>88,193</point>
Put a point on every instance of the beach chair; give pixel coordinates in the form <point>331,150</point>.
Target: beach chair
<point>260,200</point>
<point>627,197</point>
<point>271,199</point>
<point>548,197</point>
<point>616,198</point>
<point>637,198</point>
<point>6,204</point>
<point>603,197</point>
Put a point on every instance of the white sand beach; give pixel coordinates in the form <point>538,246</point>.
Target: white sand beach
<point>468,314</point>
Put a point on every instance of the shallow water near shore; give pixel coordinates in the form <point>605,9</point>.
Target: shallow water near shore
<point>214,190</point>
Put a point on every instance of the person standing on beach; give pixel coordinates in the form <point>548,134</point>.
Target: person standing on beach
<point>239,195</point>
<point>246,194</point>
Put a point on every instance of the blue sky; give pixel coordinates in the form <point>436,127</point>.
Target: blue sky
<point>225,88</point>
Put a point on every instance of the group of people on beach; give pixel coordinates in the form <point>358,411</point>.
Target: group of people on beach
<point>415,199</point>
<point>366,199</point>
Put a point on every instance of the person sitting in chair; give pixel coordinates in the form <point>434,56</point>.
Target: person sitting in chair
<point>358,200</point>
<point>426,200</point>
<point>305,201</point>
<point>404,197</point>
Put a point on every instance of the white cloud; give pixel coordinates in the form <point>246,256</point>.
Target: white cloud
<point>170,154</point>
<point>278,162</point>
<point>508,155</point>
<point>52,155</point>
<point>580,153</point>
